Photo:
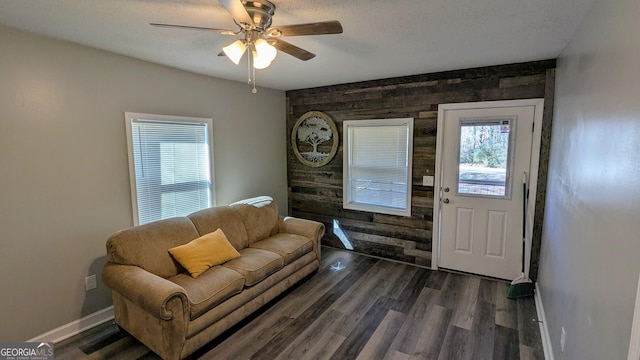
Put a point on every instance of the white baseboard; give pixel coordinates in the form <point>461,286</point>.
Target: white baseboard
<point>544,330</point>
<point>634,342</point>
<point>75,327</point>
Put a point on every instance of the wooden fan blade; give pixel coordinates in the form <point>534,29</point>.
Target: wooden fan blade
<point>318,28</point>
<point>293,50</point>
<point>191,27</point>
<point>237,10</point>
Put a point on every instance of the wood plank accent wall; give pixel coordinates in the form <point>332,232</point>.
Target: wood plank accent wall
<point>316,193</point>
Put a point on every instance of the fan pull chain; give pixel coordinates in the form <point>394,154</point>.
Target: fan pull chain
<point>249,55</point>
<point>251,70</point>
<point>254,90</point>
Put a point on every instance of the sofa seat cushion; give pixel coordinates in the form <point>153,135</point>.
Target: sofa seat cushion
<point>255,264</point>
<point>290,246</point>
<point>210,288</point>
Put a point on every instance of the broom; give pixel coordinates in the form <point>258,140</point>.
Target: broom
<point>522,286</point>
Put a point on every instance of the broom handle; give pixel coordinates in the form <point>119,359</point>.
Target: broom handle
<point>524,216</point>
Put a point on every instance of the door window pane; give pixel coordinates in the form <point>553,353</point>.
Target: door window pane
<point>484,157</point>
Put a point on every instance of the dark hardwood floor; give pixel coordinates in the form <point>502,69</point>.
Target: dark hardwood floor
<point>358,307</point>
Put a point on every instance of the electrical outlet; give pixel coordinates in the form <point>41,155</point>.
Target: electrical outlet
<point>563,339</point>
<point>90,282</point>
<point>427,180</point>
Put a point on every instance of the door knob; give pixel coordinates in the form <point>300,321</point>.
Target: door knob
<point>445,200</point>
<point>446,189</point>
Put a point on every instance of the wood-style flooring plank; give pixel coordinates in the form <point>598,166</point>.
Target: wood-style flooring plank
<point>309,337</point>
<point>432,337</point>
<point>374,282</point>
<point>465,307</point>
<point>528,326</point>
<point>325,346</point>
<point>452,290</point>
<point>487,291</point>
<point>411,291</point>
<point>401,281</point>
<point>382,338</point>
<point>356,302</point>
<point>359,336</point>
<point>126,348</point>
<point>483,330</point>
<point>230,348</point>
<point>529,353</point>
<point>397,355</point>
<point>457,344</point>
<point>69,353</point>
<point>407,338</point>
<point>506,309</point>
<point>436,279</point>
<point>328,275</point>
<point>506,345</point>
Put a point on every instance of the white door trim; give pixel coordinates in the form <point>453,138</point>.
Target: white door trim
<point>538,105</point>
<point>634,341</point>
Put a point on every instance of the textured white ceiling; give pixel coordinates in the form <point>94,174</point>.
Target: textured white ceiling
<point>381,38</point>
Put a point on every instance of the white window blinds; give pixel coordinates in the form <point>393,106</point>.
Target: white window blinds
<point>171,163</point>
<point>378,165</point>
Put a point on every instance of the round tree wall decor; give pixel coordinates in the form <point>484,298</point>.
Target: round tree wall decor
<point>314,139</point>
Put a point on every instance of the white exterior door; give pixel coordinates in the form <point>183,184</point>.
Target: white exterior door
<point>484,157</point>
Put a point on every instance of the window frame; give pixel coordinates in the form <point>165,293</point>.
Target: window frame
<point>129,118</point>
<point>347,202</point>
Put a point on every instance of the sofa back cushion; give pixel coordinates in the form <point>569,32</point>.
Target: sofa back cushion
<point>222,217</point>
<point>260,217</point>
<point>147,246</point>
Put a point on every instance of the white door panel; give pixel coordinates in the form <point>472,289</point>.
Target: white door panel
<point>486,152</point>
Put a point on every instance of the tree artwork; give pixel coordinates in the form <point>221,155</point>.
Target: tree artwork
<point>314,139</point>
<point>314,131</point>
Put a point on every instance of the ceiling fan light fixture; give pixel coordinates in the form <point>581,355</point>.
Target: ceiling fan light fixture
<point>235,50</point>
<point>265,50</point>
<point>260,62</point>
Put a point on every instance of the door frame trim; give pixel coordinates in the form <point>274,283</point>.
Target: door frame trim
<point>538,105</point>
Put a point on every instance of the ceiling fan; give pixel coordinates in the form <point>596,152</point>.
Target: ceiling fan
<point>254,18</point>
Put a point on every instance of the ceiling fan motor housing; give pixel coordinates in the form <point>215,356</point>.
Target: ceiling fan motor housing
<point>261,12</point>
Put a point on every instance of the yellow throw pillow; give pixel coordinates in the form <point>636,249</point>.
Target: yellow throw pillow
<point>204,252</point>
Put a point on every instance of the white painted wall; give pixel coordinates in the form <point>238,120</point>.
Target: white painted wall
<point>590,257</point>
<point>64,184</point>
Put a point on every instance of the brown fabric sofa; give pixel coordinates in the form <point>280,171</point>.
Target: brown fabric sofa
<point>173,314</point>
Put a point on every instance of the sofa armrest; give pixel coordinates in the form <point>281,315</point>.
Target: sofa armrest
<point>313,230</point>
<point>151,292</point>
